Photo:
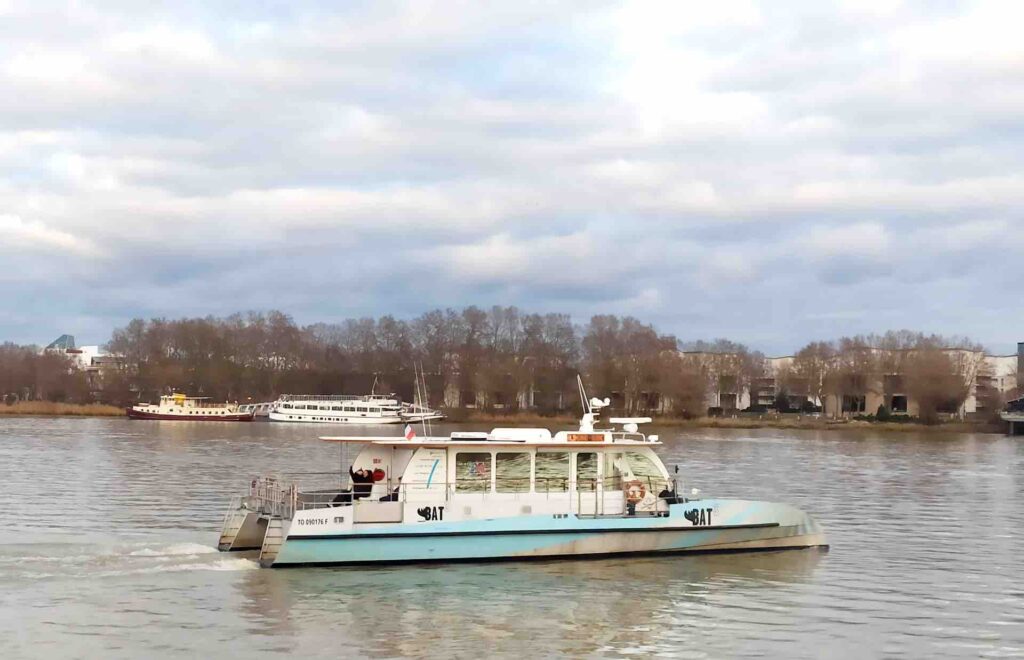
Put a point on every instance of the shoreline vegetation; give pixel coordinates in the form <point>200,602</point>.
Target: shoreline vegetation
<point>490,360</point>
<point>52,409</point>
<point>469,417</point>
<point>739,422</point>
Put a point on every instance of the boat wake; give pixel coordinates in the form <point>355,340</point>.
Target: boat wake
<point>29,563</point>
<point>176,550</point>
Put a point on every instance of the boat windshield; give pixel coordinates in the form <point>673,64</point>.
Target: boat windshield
<point>631,465</point>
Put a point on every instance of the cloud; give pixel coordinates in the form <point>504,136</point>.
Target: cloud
<point>700,167</point>
<point>20,235</point>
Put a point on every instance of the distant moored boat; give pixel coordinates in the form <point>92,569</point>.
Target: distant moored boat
<point>189,408</point>
<point>372,408</point>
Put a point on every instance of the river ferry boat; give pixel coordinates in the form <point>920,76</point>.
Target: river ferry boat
<point>512,493</point>
<point>190,408</point>
<point>338,409</point>
<point>345,409</point>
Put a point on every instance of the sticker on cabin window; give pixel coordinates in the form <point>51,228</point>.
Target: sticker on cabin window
<point>699,516</point>
<point>431,513</point>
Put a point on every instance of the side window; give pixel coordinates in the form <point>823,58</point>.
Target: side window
<point>643,468</point>
<point>552,472</point>
<point>586,471</point>
<point>512,472</point>
<point>472,472</point>
<point>613,468</point>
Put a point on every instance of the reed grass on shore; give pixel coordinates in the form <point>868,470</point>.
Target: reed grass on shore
<point>51,409</point>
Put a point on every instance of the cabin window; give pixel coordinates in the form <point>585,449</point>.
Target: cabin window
<point>512,472</point>
<point>287,406</point>
<point>336,408</point>
<point>349,409</point>
<point>472,472</point>
<point>325,407</point>
<point>644,469</point>
<point>613,467</point>
<point>586,471</point>
<point>552,471</point>
<point>362,409</point>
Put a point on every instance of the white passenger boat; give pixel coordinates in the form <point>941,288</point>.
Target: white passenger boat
<point>189,408</point>
<point>507,494</point>
<point>338,409</point>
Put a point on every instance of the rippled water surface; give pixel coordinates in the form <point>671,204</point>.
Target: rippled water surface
<point>109,526</point>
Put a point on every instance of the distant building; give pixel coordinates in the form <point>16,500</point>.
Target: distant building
<point>92,360</point>
<point>992,378</point>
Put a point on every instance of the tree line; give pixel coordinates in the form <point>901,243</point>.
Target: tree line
<point>937,373</point>
<point>501,357</point>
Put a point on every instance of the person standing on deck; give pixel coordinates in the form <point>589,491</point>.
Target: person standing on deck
<point>362,483</point>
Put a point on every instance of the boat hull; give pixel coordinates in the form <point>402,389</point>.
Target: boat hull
<point>416,419</point>
<point>332,419</point>
<point>768,527</point>
<point>141,414</point>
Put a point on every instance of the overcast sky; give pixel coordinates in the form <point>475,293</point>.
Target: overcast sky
<point>768,172</point>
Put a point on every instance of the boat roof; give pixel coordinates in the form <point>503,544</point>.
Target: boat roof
<point>597,438</point>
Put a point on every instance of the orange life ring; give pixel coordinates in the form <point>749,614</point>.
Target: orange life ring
<point>635,491</point>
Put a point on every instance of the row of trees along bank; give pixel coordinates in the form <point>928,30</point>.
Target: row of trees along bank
<point>497,358</point>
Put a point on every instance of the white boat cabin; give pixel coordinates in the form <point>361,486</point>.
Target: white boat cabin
<point>505,473</point>
<point>179,404</point>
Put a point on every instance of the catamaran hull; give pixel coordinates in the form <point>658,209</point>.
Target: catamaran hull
<point>773,527</point>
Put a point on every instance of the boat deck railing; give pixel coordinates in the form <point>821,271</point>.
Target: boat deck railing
<point>272,496</point>
<point>375,398</point>
<point>615,495</point>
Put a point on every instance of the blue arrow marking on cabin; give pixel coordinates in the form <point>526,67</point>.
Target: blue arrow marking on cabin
<point>432,468</point>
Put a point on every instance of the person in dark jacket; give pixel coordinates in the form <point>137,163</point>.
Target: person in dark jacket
<point>362,483</point>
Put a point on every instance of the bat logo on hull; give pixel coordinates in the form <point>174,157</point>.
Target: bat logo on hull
<point>699,516</point>
<point>431,512</point>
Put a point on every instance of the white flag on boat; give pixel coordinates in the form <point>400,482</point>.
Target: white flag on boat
<point>409,433</point>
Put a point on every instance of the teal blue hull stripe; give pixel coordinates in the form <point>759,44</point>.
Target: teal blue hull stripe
<point>511,532</point>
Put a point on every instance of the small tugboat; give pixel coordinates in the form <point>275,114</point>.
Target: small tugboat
<point>189,408</point>
<point>513,493</point>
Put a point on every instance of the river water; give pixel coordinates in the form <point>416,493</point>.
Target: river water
<point>109,527</point>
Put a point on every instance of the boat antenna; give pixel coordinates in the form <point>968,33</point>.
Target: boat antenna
<point>420,379</point>
<point>583,394</point>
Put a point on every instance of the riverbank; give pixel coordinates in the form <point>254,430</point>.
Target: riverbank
<point>492,419</point>
<point>51,409</point>
<point>766,422</point>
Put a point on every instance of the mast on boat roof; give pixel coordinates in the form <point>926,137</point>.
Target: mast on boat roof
<point>589,407</point>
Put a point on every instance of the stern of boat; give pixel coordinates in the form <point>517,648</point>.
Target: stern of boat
<point>260,519</point>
